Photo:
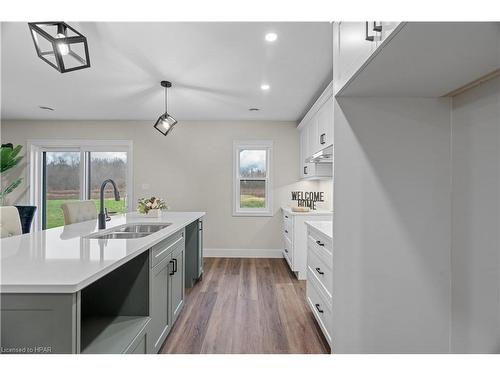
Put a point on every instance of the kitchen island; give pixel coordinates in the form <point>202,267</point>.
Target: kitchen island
<point>65,291</point>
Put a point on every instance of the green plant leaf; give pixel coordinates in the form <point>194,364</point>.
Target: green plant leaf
<point>10,188</point>
<point>9,157</point>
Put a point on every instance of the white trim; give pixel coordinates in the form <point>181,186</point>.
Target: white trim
<point>326,95</point>
<point>106,144</point>
<point>35,146</point>
<point>243,253</point>
<point>257,145</point>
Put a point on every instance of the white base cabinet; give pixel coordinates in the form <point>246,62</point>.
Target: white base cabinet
<point>320,279</point>
<point>295,238</point>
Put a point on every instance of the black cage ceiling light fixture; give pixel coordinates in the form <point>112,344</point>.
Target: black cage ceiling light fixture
<point>165,122</point>
<point>60,45</point>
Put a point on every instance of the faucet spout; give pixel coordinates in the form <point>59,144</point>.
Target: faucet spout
<point>102,215</point>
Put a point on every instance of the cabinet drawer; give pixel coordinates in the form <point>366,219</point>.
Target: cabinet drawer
<point>322,243</point>
<point>288,226</point>
<point>322,252</point>
<point>166,246</point>
<point>320,269</point>
<point>320,306</point>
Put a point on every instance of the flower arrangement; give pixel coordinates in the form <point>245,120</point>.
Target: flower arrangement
<point>144,205</point>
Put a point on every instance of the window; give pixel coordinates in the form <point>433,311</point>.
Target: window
<point>62,171</point>
<point>252,188</point>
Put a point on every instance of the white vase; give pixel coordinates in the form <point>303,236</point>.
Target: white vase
<point>153,213</point>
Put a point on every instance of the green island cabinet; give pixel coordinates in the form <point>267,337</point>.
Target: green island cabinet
<point>129,310</point>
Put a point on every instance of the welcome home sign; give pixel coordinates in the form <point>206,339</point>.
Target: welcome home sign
<point>308,198</point>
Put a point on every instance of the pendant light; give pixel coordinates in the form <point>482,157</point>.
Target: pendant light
<point>60,45</point>
<point>165,122</point>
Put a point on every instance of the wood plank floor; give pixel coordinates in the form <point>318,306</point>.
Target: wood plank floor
<point>246,306</point>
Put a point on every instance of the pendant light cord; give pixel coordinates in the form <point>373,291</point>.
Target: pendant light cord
<point>166,99</point>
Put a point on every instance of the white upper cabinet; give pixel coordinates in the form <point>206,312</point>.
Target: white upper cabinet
<point>316,134</point>
<point>313,145</point>
<point>325,125</point>
<point>413,59</point>
<point>355,45</point>
<point>307,170</point>
<point>386,29</point>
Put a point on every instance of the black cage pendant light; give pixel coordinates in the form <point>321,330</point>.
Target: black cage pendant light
<point>165,122</point>
<point>60,46</point>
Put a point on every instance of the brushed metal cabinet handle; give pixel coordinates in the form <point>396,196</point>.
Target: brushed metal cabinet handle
<point>369,38</point>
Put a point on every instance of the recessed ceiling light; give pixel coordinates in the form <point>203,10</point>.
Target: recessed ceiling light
<point>271,37</point>
<point>253,109</point>
<point>45,108</point>
<point>265,87</point>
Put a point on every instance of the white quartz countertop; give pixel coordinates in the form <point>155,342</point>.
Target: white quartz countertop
<point>64,260</point>
<point>325,227</point>
<point>312,212</point>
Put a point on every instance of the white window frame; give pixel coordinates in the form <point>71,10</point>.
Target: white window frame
<point>238,146</point>
<point>35,147</point>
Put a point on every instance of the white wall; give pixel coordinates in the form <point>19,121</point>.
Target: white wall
<point>191,168</point>
<point>476,224</point>
<point>392,225</point>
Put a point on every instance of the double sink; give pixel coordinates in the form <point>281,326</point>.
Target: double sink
<point>129,231</point>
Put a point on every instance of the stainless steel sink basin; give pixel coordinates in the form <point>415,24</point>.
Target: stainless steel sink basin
<point>129,231</point>
<point>142,228</point>
<point>119,235</point>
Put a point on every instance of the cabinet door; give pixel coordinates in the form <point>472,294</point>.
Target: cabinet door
<point>160,309</point>
<point>387,29</point>
<point>177,283</point>
<point>303,141</point>
<point>354,49</point>
<point>139,345</point>
<point>313,136</point>
<point>306,169</point>
<point>325,124</point>
<point>200,248</point>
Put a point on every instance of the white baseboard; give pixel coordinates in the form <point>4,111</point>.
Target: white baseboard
<point>242,253</point>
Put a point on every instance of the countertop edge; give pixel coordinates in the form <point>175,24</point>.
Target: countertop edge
<point>74,288</point>
<point>316,225</point>
<point>312,212</point>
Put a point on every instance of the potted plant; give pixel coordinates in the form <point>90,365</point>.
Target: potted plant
<point>151,206</point>
<point>9,159</point>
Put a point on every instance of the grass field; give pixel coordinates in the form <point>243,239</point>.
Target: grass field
<point>250,201</point>
<point>55,216</point>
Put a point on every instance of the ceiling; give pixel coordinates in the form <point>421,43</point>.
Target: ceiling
<point>216,70</point>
